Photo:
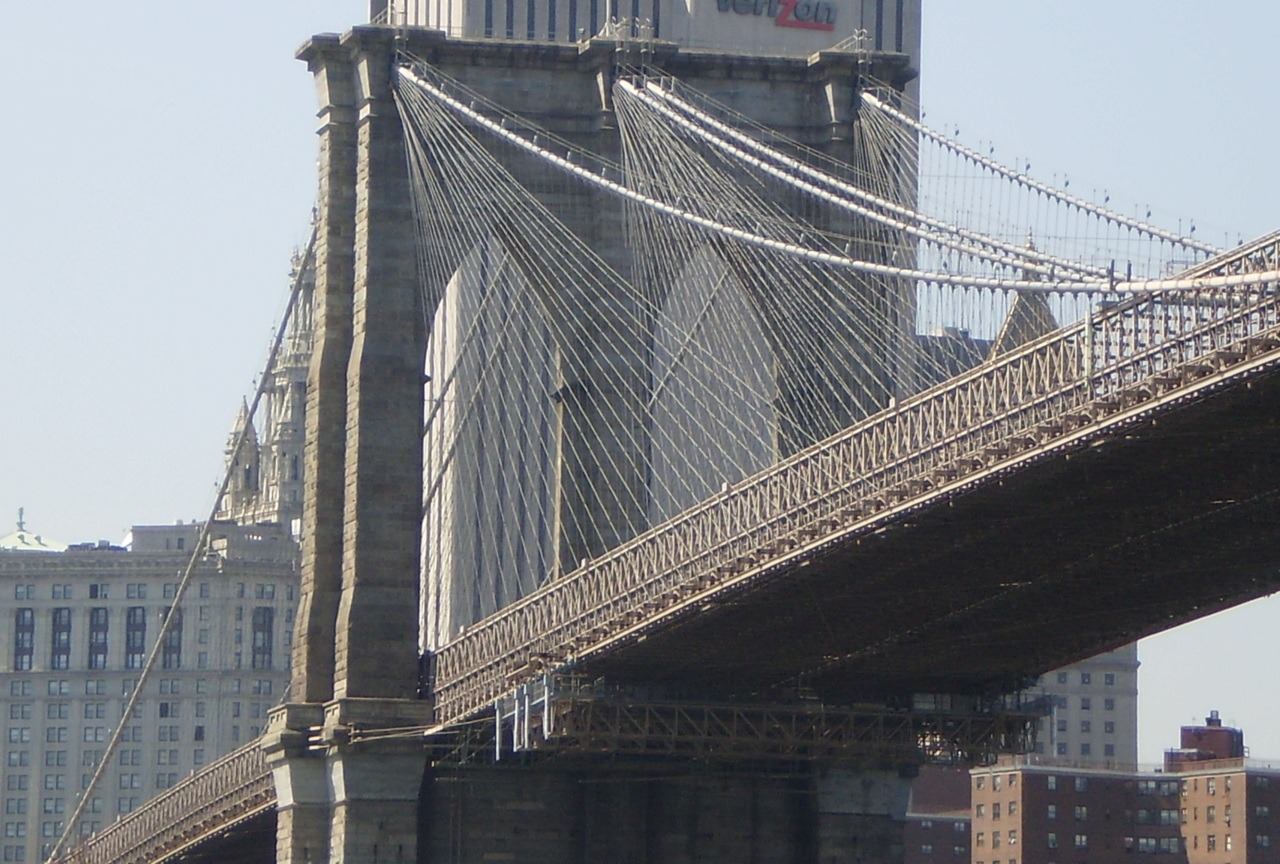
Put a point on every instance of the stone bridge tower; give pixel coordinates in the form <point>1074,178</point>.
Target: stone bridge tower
<point>345,798</point>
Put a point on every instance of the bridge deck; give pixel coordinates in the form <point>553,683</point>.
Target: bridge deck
<point>1114,477</point>
<point>1091,544</point>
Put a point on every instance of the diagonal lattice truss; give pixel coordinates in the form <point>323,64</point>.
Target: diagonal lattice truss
<point>613,341</point>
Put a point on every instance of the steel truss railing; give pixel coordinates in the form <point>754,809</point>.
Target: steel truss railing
<point>212,800</point>
<point>786,732</point>
<point>567,714</point>
<point>1077,377</point>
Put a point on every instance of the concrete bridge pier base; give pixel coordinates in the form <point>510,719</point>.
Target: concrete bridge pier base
<point>347,791</point>
<point>302,784</point>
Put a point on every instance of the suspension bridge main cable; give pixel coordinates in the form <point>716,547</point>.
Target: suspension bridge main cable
<point>830,259</point>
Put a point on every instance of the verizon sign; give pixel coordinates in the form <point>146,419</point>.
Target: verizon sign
<point>808,14</point>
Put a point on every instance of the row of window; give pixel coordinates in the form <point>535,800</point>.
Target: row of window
<point>138,591</point>
<point>1086,726</point>
<point>21,687</point>
<point>1086,678</point>
<point>1086,749</point>
<point>1086,703</point>
<point>24,639</point>
<point>1010,838</point>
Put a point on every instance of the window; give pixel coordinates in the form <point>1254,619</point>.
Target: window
<point>1082,784</point>
<point>1086,749</point>
<point>170,590</point>
<point>995,783</point>
<point>1052,840</point>
<point>55,758</point>
<point>1109,679</point>
<point>1085,703</point>
<point>1211,843</point>
<point>1051,812</point>
<point>1109,704</point>
<point>61,592</point>
<point>1012,809</point>
<point>926,849</point>
<point>1261,782</point>
<point>171,652</point>
<point>1086,678</point>
<point>1211,786</point>
<point>24,592</point>
<point>1262,811</point>
<point>1226,783</point>
<point>1263,840</point>
<point>1086,726</point>
<point>20,711</point>
<point>1226,842</point>
<point>1082,841</point>
<point>24,638</point>
<point>17,782</point>
<point>18,758</point>
<point>98,638</point>
<point>136,591</point>
<point>204,591</point>
<point>1062,677</point>
<point>980,839</point>
<point>1062,724</point>
<point>1062,748</point>
<point>1171,845</point>
<point>1051,782</point>
<point>98,591</point>
<point>1013,837</point>
<point>995,839</point>
<point>135,636</point>
<point>170,709</point>
<point>1082,812</point>
<point>263,624</point>
<point>1109,727</point>
<point>1146,844</point>
<point>995,810</point>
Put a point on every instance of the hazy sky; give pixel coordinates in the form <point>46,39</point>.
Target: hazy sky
<point>157,168</point>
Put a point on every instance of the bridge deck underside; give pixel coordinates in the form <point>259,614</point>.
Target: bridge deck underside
<point>1084,550</point>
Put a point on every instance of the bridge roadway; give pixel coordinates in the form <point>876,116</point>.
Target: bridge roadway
<point>1105,482</point>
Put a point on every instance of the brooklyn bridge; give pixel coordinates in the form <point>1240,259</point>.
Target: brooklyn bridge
<point>690,431</point>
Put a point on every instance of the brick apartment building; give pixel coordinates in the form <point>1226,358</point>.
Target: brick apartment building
<point>1207,805</point>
